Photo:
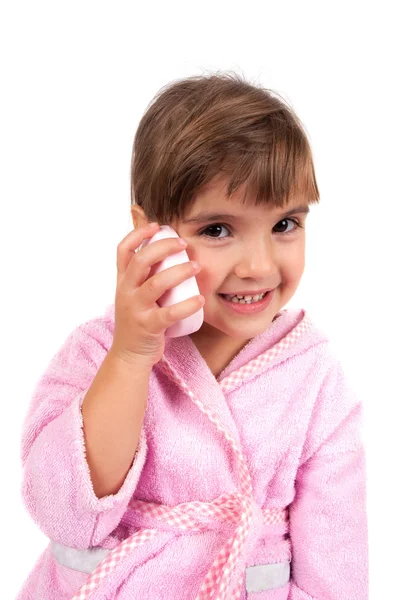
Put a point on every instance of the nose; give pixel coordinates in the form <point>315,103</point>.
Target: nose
<point>257,262</point>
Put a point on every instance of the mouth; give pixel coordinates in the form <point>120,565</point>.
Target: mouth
<point>247,305</point>
<point>246,297</point>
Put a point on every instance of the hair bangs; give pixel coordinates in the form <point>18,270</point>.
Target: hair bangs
<point>275,175</point>
<point>203,128</point>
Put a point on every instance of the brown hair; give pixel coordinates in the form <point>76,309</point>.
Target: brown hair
<point>201,127</point>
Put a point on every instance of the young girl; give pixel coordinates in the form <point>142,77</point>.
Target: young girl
<point>227,463</point>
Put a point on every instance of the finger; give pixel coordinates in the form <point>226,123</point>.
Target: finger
<point>131,242</point>
<point>139,268</point>
<point>168,315</point>
<point>158,284</point>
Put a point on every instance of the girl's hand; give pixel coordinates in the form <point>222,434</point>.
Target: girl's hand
<point>140,323</point>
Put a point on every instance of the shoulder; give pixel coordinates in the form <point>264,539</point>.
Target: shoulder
<point>313,348</point>
<point>89,341</point>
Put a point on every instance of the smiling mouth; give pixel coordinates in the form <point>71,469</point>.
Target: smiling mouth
<point>245,297</point>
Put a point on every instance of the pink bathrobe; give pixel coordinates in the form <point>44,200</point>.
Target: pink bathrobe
<point>249,485</point>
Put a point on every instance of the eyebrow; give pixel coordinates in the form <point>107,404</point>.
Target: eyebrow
<point>212,216</point>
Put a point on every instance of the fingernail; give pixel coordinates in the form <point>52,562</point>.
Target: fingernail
<point>182,242</point>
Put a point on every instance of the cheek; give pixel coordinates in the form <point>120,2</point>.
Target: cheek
<point>294,271</point>
<point>208,279</point>
<point>291,265</point>
<point>205,281</point>
<point>211,276</point>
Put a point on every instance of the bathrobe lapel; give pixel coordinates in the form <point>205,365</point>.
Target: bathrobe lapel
<point>183,363</point>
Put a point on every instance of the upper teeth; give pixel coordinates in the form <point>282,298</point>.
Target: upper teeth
<point>246,298</point>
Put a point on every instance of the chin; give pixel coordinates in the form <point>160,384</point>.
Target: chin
<point>244,331</point>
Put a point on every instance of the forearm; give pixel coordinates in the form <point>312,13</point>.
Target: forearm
<point>113,412</point>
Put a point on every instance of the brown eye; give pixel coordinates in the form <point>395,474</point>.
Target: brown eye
<point>285,221</point>
<point>216,228</point>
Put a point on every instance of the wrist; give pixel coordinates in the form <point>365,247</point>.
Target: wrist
<point>130,359</point>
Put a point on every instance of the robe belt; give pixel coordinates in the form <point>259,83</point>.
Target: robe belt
<point>238,508</point>
<point>235,508</point>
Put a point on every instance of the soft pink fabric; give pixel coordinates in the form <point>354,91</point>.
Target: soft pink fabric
<point>297,421</point>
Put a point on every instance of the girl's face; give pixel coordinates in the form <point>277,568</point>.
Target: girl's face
<point>244,248</point>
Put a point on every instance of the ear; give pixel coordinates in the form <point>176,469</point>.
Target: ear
<point>138,216</point>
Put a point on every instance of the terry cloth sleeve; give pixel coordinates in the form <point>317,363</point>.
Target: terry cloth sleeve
<point>56,487</point>
<point>328,518</point>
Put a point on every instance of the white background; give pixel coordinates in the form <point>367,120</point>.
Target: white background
<point>77,77</point>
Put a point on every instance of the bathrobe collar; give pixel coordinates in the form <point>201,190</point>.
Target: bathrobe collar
<point>290,333</point>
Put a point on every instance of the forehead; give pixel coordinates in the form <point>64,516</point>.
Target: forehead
<point>213,199</point>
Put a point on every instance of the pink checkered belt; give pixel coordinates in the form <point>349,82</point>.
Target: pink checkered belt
<point>236,509</point>
<point>232,508</point>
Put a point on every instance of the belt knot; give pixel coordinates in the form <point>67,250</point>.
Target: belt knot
<point>236,508</point>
